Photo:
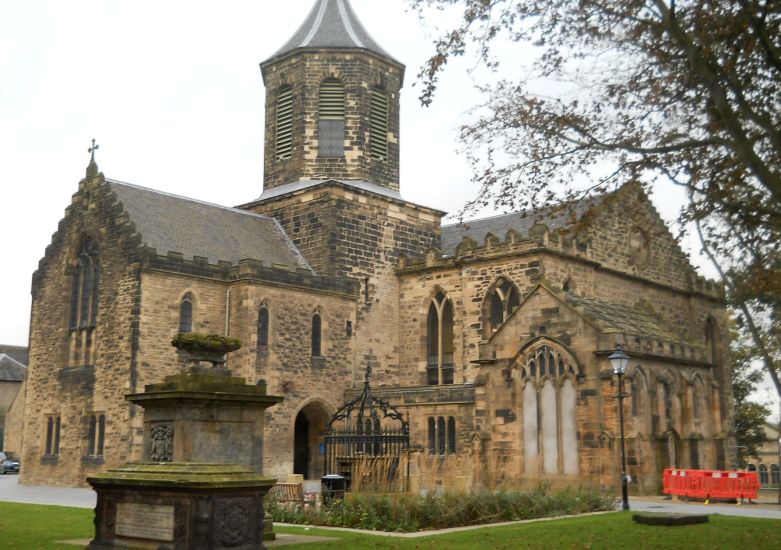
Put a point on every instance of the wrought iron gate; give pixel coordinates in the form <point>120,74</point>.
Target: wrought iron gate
<point>367,442</point>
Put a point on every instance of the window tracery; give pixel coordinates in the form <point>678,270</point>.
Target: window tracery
<point>439,341</point>
<point>549,411</point>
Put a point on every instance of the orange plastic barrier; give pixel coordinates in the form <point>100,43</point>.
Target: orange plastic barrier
<point>707,484</point>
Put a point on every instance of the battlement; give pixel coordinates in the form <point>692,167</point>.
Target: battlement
<point>254,270</point>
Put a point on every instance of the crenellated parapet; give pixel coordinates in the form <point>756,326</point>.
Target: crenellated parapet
<point>246,270</point>
<point>512,243</point>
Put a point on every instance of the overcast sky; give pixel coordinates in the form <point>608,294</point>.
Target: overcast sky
<point>172,92</point>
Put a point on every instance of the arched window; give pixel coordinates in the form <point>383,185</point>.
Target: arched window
<point>378,124</point>
<point>503,300</point>
<point>774,474</point>
<point>284,121</point>
<point>96,436</point>
<point>432,435</point>
<point>53,426</point>
<point>263,329</point>
<point>85,287</point>
<point>316,335</point>
<point>186,314</point>
<point>451,435</point>
<point>441,435</point>
<point>549,411</point>
<point>439,341</point>
<point>330,128</point>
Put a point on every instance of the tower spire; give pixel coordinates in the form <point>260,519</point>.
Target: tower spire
<point>331,24</point>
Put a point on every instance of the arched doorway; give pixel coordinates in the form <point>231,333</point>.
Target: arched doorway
<point>308,447</point>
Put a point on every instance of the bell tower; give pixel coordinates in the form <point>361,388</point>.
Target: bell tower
<point>332,104</point>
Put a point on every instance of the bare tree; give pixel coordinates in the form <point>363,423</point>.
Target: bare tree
<point>687,92</point>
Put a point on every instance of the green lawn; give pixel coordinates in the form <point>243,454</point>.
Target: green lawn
<point>29,527</point>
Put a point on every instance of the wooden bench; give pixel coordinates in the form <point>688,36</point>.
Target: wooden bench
<point>289,493</point>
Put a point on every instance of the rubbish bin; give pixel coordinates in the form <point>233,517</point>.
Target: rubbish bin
<point>332,487</point>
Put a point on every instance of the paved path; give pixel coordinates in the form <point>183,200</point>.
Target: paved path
<point>658,504</point>
<point>11,490</point>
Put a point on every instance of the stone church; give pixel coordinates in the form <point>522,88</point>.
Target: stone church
<point>491,336</point>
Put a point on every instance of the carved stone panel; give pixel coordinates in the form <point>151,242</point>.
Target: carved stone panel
<point>161,442</point>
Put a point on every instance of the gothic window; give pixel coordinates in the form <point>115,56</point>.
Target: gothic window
<point>549,412</point>
<point>378,124</point>
<point>316,335</point>
<point>774,475</point>
<point>284,138</point>
<point>441,435</point>
<point>85,286</point>
<point>53,435</point>
<point>503,300</point>
<point>263,329</point>
<point>186,314</point>
<point>97,435</point>
<point>330,128</point>
<point>439,341</point>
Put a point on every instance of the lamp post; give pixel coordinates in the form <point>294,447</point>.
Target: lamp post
<point>619,360</point>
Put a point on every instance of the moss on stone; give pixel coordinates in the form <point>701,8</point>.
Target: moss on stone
<point>196,341</point>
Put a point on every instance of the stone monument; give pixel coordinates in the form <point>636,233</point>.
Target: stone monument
<point>200,484</point>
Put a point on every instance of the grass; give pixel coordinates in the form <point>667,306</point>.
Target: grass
<point>32,527</point>
<point>613,531</point>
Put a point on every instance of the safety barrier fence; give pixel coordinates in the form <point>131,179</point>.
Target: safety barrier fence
<point>708,484</point>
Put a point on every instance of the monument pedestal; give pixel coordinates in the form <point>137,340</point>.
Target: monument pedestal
<point>200,485</point>
<point>179,506</point>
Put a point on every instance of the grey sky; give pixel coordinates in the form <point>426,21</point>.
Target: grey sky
<point>172,91</point>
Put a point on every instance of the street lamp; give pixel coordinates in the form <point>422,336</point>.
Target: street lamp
<point>619,360</point>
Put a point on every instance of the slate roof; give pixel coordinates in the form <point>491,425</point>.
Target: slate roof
<point>331,24</point>
<point>300,185</point>
<point>170,223</point>
<point>635,320</point>
<point>20,353</point>
<point>11,370</point>
<point>521,222</point>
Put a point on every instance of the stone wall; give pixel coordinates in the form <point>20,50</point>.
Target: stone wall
<point>71,386</point>
<point>346,232</point>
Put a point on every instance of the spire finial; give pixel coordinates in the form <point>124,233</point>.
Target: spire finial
<point>92,168</point>
<point>92,150</point>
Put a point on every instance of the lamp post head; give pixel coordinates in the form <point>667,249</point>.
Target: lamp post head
<point>619,360</point>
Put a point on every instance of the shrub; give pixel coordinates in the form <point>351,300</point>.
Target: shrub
<point>407,513</point>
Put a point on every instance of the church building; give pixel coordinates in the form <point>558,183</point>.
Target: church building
<point>491,336</point>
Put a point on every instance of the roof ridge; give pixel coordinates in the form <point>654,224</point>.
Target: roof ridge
<point>529,210</point>
<point>190,199</point>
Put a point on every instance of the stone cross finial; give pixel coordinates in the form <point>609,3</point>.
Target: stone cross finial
<point>92,150</point>
<point>92,168</point>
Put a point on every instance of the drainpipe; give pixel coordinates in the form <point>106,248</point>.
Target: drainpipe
<point>227,311</point>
